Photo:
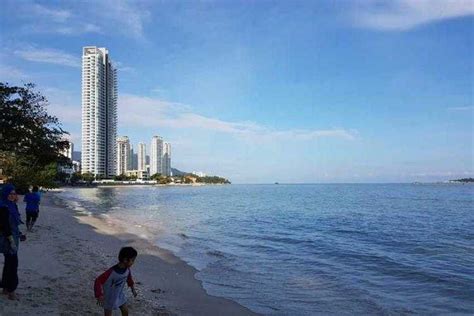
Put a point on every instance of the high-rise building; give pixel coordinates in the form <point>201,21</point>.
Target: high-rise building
<point>166,159</point>
<point>67,152</point>
<point>141,156</point>
<point>130,160</point>
<point>99,113</point>
<point>123,155</point>
<point>135,161</point>
<point>156,155</point>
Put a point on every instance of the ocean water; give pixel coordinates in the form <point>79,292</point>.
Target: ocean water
<point>312,249</point>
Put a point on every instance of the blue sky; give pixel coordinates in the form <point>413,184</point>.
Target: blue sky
<point>264,91</point>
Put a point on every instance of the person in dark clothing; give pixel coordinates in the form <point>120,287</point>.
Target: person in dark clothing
<point>9,239</point>
<point>32,200</point>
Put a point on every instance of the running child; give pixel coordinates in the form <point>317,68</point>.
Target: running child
<point>32,200</point>
<point>109,286</point>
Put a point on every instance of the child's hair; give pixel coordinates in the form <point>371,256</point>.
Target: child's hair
<point>35,188</point>
<point>127,253</point>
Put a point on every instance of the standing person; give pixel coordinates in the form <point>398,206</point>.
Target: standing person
<point>9,239</point>
<point>109,286</point>
<point>32,200</point>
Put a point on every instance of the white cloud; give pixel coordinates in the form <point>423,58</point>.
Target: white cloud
<point>49,19</point>
<point>122,68</point>
<point>70,28</point>
<point>127,14</point>
<point>47,55</point>
<point>407,14</point>
<point>57,15</point>
<point>145,111</point>
<point>78,29</point>
<point>108,16</point>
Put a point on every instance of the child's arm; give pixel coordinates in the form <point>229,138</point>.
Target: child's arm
<point>131,283</point>
<point>99,285</point>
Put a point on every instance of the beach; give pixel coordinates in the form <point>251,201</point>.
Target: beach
<point>67,250</point>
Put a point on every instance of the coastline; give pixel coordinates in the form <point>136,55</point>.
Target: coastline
<point>67,250</point>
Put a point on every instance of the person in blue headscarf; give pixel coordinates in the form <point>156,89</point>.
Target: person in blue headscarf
<point>9,239</point>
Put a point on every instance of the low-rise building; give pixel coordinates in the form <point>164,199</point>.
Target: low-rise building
<point>139,174</point>
<point>199,174</point>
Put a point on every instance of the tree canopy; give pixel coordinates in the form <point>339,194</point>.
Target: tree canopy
<point>30,139</point>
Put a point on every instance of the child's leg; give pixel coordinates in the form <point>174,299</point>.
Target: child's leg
<point>108,312</point>
<point>124,310</point>
<point>28,221</point>
<point>33,221</point>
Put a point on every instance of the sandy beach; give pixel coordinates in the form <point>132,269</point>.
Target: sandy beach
<point>67,250</point>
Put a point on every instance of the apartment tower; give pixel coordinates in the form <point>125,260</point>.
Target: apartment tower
<point>99,113</point>
<point>141,156</point>
<point>156,155</point>
<point>166,161</point>
<point>123,155</point>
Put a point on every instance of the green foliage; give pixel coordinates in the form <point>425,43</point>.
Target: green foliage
<point>87,177</point>
<point>156,176</point>
<point>75,177</point>
<point>464,180</point>
<point>62,177</point>
<point>213,180</point>
<point>30,138</point>
<point>124,177</point>
<point>120,177</point>
<point>20,173</point>
<point>165,180</point>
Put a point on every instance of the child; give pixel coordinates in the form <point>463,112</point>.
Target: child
<point>108,287</point>
<point>32,200</point>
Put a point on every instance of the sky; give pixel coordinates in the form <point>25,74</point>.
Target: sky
<point>266,91</point>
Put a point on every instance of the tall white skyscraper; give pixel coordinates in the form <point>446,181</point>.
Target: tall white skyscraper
<point>141,156</point>
<point>99,113</point>
<point>123,155</point>
<point>156,155</point>
<point>166,159</point>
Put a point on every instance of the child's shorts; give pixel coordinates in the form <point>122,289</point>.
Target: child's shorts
<point>31,217</point>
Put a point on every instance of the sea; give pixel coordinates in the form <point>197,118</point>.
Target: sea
<point>311,249</point>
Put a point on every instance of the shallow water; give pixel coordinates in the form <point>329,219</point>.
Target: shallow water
<point>312,249</point>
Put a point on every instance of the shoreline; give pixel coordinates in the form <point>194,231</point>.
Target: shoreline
<point>138,184</point>
<point>67,250</point>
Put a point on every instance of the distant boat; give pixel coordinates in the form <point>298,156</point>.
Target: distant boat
<point>277,183</point>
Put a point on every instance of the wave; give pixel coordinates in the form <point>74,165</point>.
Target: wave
<point>183,235</point>
<point>216,253</point>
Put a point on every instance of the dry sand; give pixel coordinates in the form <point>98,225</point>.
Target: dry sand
<point>66,251</point>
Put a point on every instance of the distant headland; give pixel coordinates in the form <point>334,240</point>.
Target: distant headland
<point>463,180</point>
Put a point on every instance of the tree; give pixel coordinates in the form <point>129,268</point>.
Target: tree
<point>120,177</point>
<point>188,180</point>
<point>156,176</point>
<point>164,180</point>
<point>75,177</point>
<point>213,180</point>
<point>88,177</point>
<point>30,139</point>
